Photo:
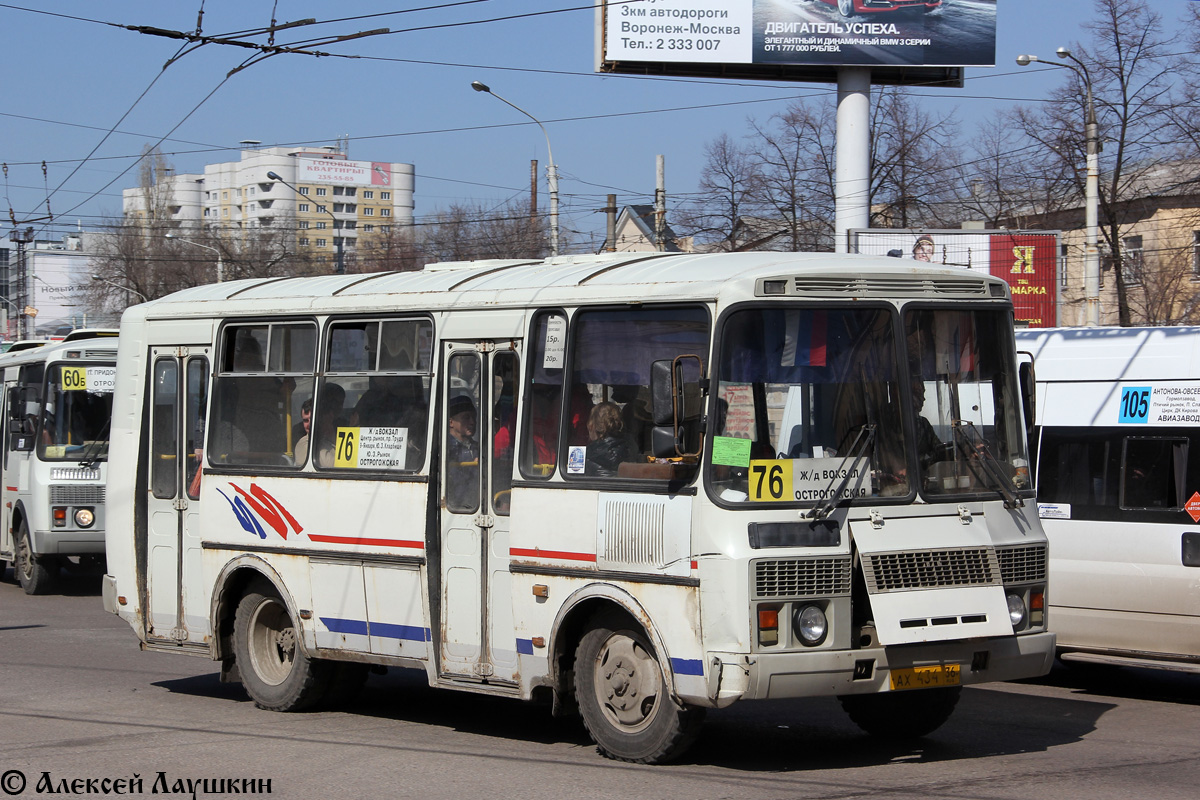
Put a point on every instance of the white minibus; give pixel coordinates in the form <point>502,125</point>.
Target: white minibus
<point>642,485</point>
<point>1118,488</point>
<point>55,411</point>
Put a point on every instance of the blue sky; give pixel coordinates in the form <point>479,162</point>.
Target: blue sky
<point>407,98</point>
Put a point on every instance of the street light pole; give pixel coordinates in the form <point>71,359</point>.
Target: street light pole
<point>1091,259</point>
<point>220,265</point>
<point>122,288</point>
<point>337,240</point>
<point>551,168</point>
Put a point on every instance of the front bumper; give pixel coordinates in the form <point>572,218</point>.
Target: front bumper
<point>66,542</point>
<point>836,672</point>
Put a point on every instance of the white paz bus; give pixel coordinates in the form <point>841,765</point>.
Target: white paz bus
<point>55,411</point>
<point>1118,475</point>
<point>644,486</point>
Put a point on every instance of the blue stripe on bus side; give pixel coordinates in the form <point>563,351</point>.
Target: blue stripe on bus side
<point>383,630</point>
<point>687,666</point>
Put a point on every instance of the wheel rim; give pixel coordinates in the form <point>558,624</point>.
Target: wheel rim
<point>272,642</point>
<point>23,565</point>
<point>628,684</point>
<point>846,7</point>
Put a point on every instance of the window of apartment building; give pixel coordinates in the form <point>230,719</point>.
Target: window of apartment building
<point>304,241</point>
<point>368,194</point>
<point>339,207</point>
<point>385,195</point>
<point>385,212</point>
<point>224,195</point>
<point>250,192</point>
<point>339,190</point>
<point>322,210</point>
<point>368,228</point>
<point>304,191</point>
<point>351,191</point>
<point>224,212</point>
<point>350,224</point>
<point>303,226</point>
<point>1195,255</point>
<point>1132,260</point>
<point>368,211</point>
<point>385,228</point>
<point>320,226</point>
<point>321,191</point>
<point>303,206</point>
<point>322,242</point>
<point>351,207</point>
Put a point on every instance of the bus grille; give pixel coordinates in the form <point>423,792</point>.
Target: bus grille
<point>76,495</point>
<point>802,577</point>
<point>930,569</point>
<point>894,287</point>
<point>633,534</point>
<point>1023,564</point>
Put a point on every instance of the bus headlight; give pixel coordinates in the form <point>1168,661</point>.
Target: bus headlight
<point>810,625</point>
<point>84,517</point>
<point>1016,611</point>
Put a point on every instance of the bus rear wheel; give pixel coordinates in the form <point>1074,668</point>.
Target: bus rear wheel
<point>902,715</point>
<point>623,696</point>
<point>277,674</point>
<point>35,574</point>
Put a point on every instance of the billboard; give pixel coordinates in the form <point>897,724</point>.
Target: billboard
<point>355,173</point>
<point>1026,260</point>
<point>904,41</point>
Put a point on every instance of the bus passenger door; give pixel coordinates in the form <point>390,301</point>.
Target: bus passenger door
<point>176,608</point>
<point>478,433</point>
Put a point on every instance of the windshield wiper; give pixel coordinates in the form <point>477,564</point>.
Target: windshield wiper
<point>974,444</point>
<point>857,449</point>
<point>91,454</point>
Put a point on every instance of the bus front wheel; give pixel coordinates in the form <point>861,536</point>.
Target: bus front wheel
<point>34,573</point>
<point>276,673</point>
<point>902,715</point>
<point>623,697</point>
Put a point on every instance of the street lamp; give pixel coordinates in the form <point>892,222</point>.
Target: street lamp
<point>1091,262</point>
<point>220,266</point>
<point>551,169</point>
<point>122,288</point>
<point>337,240</point>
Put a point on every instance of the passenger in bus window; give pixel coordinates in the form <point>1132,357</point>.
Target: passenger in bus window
<point>608,445</point>
<point>462,454</point>
<point>329,411</point>
<point>302,428</point>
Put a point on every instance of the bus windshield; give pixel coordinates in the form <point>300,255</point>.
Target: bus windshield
<point>816,405</point>
<point>808,399</point>
<point>76,413</point>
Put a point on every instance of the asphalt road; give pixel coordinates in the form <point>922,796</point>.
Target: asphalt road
<point>79,701</point>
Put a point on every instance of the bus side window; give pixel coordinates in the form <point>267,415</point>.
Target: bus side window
<point>543,396</point>
<point>1153,472</point>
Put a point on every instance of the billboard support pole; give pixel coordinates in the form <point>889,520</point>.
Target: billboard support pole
<point>853,179</point>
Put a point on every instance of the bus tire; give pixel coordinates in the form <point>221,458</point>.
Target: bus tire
<point>902,715</point>
<point>623,696</point>
<point>276,673</point>
<point>35,573</point>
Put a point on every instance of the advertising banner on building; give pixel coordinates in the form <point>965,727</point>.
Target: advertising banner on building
<point>356,173</point>
<point>898,33</point>
<point>1027,261</point>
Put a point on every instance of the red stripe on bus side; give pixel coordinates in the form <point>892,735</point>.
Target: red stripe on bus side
<point>558,554</point>
<point>10,488</point>
<point>367,542</point>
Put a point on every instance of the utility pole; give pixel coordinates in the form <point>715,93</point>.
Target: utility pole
<point>660,203</point>
<point>22,238</point>
<point>533,180</point>
<point>610,213</point>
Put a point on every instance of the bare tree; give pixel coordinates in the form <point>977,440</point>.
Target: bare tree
<point>727,194</point>
<point>392,248</point>
<point>794,168</point>
<point>1131,65</point>
<point>913,160</point>
<point>464,233</point>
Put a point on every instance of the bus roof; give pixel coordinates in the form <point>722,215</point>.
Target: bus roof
<point>104,347</point>
<point>571,279</point>
<point>1113,354</point>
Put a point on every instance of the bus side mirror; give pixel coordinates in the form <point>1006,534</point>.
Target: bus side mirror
<point>675,395</point>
